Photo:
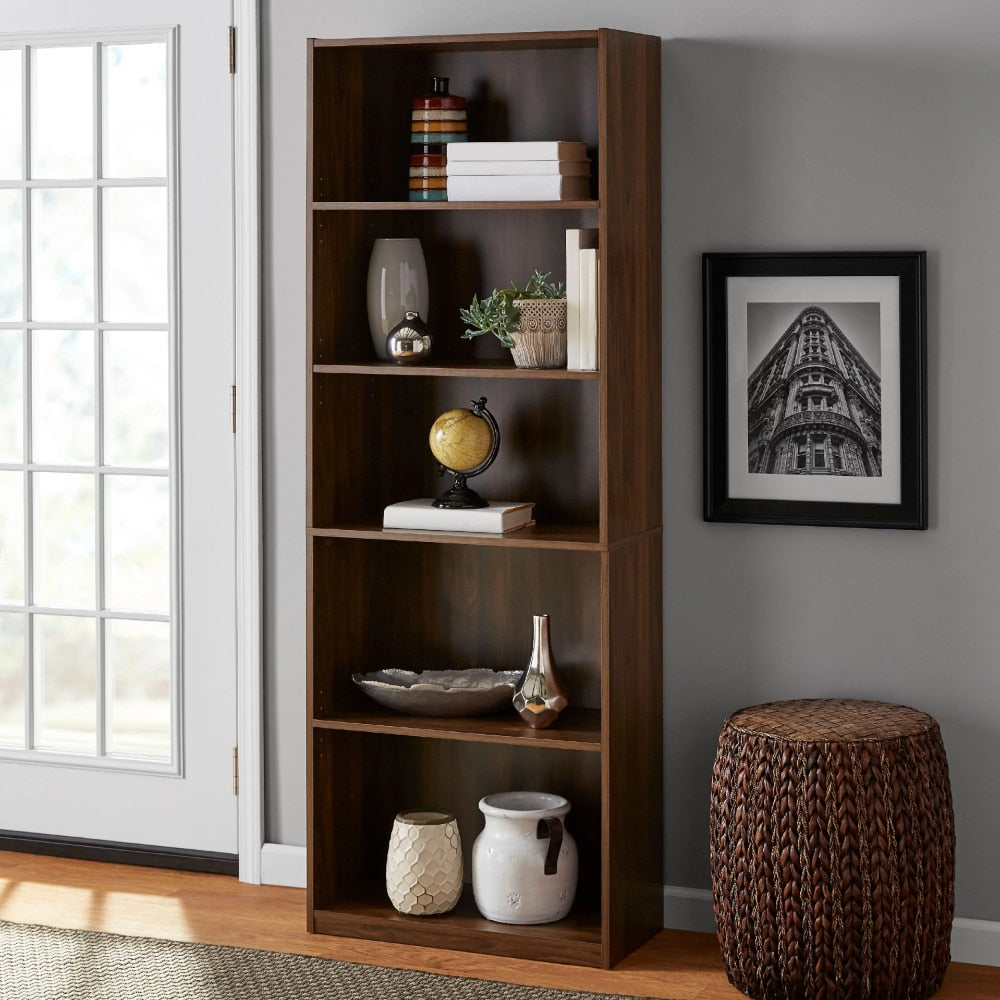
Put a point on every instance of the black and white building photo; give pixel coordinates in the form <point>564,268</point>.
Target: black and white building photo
<point>814,400</point>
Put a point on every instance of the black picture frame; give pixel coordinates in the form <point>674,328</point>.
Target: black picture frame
<point>815,389</point>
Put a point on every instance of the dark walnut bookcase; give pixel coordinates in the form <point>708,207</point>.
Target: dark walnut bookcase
<point>585,446</point>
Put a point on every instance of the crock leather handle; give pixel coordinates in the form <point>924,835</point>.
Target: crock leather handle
<point>553,829</point>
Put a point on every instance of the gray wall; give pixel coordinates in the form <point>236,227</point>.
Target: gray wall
<point>790,124</point>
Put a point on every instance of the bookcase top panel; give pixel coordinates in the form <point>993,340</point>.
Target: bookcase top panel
<point>458,43</point>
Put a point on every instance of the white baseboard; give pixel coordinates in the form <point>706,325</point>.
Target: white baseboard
<point>687,909</point>
<point>283,864</point>
<point>974,941</point>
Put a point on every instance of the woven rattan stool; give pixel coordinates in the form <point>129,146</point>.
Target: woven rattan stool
<point>832,850</point>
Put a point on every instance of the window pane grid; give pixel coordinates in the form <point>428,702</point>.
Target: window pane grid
<point>63,325</point>
<point>99,470</point>
<point>87,182</point>
<point>13,373</point>
<point>14,680</point>
<point>12,112</point>
<point>12,237</point>
<point>100,614</point>
<point>96,716</point>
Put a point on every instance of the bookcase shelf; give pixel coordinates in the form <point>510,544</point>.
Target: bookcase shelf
<point>454,206</point>
<point>579,729</point>
<point>575,940</point>
<point>583,446</point>
<point>550,536</point>
<point>486,369</point>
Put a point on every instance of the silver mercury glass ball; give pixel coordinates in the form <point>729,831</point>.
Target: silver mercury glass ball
<point>409,341</point>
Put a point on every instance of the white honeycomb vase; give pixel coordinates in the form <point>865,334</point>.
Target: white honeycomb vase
<point>423,869</point>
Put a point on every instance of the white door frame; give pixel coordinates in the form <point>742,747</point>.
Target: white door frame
<point>249,668</point>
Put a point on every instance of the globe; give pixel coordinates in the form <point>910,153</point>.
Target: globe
<point>465,442</point>
<point>460,440</point>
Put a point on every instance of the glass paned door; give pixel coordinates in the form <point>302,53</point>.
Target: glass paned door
<point>89,609</point>
<point>117,461</point>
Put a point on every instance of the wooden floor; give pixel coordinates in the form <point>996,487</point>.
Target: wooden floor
<point>217,909</point>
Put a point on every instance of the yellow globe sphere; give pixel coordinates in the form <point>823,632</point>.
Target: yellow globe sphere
<point>460,440</point>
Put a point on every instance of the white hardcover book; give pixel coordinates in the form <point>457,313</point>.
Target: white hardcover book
<point>589,278</point>
<point>534,150</point>
<point>576,239</point>
<point>566,168</point>
<point>499,516</point>
<point>517,187</point>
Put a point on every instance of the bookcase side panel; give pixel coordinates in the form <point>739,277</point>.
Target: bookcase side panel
<point>631,280</point>
<point>633,759</point>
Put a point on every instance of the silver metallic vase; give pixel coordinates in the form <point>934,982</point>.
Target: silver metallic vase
<point>539,698</point>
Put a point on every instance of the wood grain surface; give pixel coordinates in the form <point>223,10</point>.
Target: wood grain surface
<point>217,909</point>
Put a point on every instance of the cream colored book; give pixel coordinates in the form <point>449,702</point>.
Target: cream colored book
<point>566,168</point>
<point>576,240</point>
<point>516,187</point>
<point>590,276</point>
<point>543,149</point>
<point>496,518</point>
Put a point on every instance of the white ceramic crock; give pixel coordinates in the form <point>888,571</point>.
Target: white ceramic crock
<point>524,863</point>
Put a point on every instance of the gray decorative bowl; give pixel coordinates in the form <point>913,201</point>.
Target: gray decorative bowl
<point>441,692</point>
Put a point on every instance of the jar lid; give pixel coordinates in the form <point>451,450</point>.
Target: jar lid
<point>424,817</point>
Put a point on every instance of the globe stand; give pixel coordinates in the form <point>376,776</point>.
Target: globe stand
<point>461,496</point>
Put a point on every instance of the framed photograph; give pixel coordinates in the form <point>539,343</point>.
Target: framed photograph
<point>815,388</point>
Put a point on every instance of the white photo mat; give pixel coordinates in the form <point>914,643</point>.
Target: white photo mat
<point>825,291</point>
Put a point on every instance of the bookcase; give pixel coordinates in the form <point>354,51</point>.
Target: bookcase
<point>584,446</point>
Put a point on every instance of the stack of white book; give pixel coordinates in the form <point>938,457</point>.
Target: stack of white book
<point>518,171</point>
<point>583,264</point>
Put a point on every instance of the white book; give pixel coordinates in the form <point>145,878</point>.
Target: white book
<point>499,516</point>
<point>534,150</point>
<point>589,283</point>
<point>566,168</point>
<point>515,187</point>
<point>576,239</point>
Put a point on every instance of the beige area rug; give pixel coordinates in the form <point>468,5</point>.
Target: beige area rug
<point>48,963</point>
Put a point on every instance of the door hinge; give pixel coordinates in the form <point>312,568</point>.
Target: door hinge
<point>233,397</point>
<point>232,48</point>
<point>236,770</point>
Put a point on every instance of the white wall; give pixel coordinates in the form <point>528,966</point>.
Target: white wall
<point>787,124</point>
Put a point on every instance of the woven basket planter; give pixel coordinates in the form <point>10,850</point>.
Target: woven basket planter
<point>540,339</point>
<point>832,851</point>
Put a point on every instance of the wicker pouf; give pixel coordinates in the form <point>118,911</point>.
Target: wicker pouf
<point>832,851</point>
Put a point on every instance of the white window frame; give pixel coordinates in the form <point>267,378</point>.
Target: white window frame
<point>249,605</point>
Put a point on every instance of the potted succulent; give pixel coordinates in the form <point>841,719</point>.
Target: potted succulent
<point>531,321</point>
